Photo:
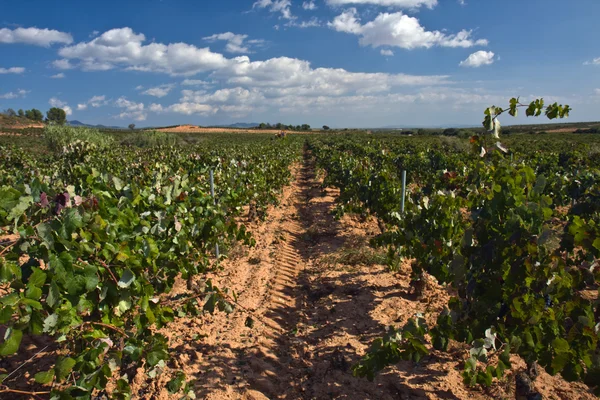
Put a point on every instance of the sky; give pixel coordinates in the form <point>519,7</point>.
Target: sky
<point>341,63</point>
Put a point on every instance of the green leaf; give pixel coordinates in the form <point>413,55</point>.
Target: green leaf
<point>72,221</point>
<point>44,377</point>
<point>117,182</point>
<point>50,323</point>
<point>20,208</point>
<point>175,384</point>
<point>12,342</point>
<point>560,361</point>
<point>154,357</point>
<point>9,198</point>
<point>37,278</point>
<point>45,233</point>
<point>127,278</point>
<point>53,295</point>
<point>63,367</point>
<point>560,345</point>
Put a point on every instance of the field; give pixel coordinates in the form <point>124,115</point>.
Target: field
<point>121,275</point>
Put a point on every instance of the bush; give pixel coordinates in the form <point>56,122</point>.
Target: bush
<point>60,136</point>
<point>150,139</point>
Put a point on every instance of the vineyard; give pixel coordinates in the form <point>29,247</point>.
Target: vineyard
<point>244,266</point>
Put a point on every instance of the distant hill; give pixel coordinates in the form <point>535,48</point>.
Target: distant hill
<point>79,123</point>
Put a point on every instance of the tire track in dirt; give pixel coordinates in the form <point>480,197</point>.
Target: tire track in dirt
<point>230,357</point>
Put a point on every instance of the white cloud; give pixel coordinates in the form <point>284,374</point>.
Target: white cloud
<point>58,76</point>
<point>406,4</point>
<point>399,30</point>
<point>139,87</point>
<point>595,61</point>
<point>347,22</point>
<point>597,91</point>
<point>63,64</point>
<point>311,23</point>
<point>387,52</point>
<point>96,101</point>
<point>274,6</point>
<point>159,91</point>
<point>54,102</point>
<point>122,47</point>
<point>13,95</point>
<point>478,59</point>
<point>34,36</point>
<point>462,2</point>
<point>12,70</point>
<point>309,5</point>
<point>131,110</point>
<point>194,82</point>
<point>235,43</point>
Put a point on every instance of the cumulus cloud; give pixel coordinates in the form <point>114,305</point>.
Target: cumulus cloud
<point>399,30</point>
<point>387,52</point>
<point>62,64</point>
<point>276,6</point>
<point>130,109</point>
<point>58,76</point>
<point>595,61</point>
<point>478,59</point>
<point>12,70</point>
<point>309,5</point>
<point>34,36</point>
<point>96,101</point>
<point>235,43</point>
<point>54,102</point>
<point>14,95</point>
<point>159,91</point>
<point>407,4</point>
<point>123,47</point>
<point>194,82</point>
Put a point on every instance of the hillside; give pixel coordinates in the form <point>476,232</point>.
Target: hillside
<point>18,123</point>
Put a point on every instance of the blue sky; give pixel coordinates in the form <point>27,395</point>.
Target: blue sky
<point>344,63</point>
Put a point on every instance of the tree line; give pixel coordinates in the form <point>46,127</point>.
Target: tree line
<point>283,127</point>
<point>54,115</point>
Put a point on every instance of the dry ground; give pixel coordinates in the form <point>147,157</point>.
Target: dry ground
<point>198,129</point>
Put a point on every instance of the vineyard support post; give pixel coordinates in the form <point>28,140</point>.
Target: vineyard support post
<point>403,189</point>
<point>212,193</point>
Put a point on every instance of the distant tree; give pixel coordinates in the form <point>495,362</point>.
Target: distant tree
<point>11,113</point>
<point>325,128</point>
<point>56,116</point>
<point>21,113</point>
<point>306,127</point>
<point>450,132</point>
<point>34,115</point>
<point>279,125</point>
<point>132,126</point>
<point>262,125</point>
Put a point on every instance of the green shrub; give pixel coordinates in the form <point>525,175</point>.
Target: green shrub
<point>60,136</point>
<point>151,139</point>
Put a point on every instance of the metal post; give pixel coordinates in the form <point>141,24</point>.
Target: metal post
<point>212,193</point>
<point>403,189</point>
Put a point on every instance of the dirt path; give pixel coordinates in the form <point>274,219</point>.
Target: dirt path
<point>318,296</point>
